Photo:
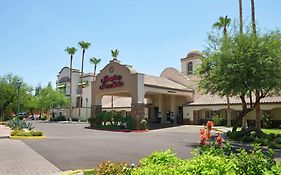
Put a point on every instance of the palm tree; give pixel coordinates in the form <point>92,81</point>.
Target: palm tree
<point>258,110</point>
<point>71,51</point>
<point>84,45</point>
<point>240,16</point>
<point>95,61</point>
<point>115,54</point>
<point>253,17</point>
<point>223,23</point>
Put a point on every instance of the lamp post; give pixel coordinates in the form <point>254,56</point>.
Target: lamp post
<point>19,84</point>
<point>87,108</point>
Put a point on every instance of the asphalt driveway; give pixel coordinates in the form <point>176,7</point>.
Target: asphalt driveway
<point>71,146</point>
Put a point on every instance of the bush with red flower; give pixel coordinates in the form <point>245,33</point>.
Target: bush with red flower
<point>206,135</point>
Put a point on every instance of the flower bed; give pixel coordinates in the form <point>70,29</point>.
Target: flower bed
<point>19,134</point>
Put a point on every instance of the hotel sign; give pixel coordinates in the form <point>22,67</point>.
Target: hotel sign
<point>108,82</point>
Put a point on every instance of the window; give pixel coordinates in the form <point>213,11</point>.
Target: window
<point>207,114</point>
<point>210,114</point>
<point>77,102</point>
<point>190,68</point>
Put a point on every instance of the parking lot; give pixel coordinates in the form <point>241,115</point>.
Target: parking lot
<point>72,146</point>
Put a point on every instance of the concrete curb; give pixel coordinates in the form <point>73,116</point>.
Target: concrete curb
<point>27,137</point>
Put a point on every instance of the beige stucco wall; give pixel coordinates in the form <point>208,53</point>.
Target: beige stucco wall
<point>276,114</point>
<point>133,84</point>
<point>75,81</point>
<point>276,110</point>
<point>195,62</point>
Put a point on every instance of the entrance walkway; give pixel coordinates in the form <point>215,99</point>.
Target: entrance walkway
<point>18,158</point>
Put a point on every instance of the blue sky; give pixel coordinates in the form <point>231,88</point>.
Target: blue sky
<point>150,34</point>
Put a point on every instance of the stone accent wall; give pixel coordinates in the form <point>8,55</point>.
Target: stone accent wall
<point>137,112</point>
<point>95,109</point>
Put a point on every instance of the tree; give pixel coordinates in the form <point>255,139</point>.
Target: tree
<point>50,98</point>
<point>84,45</point>
<point>224,22</point>
<point>9,94</point>
<point>38,89</point>
<point>257,93</point>
<point>246,66</point>
<point>115,54</point>
<point>253,17</point>
<point>71,51</point>
<point>95,61</point>
<point>240,17</point>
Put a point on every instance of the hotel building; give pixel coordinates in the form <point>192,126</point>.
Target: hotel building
<point>172,95</point>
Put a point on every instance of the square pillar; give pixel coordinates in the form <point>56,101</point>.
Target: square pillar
<point>137,112</point>
<point>173,110</point>
<point>94,110</point>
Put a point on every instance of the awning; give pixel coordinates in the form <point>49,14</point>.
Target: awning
<point>61,86</point>
<point>84,83</point>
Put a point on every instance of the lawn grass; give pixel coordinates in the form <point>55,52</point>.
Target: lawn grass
<point>267,131</point>
<point>273,131</point>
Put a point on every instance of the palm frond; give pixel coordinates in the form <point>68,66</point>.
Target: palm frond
<point>95,61</point>
<point>84,44</point>
<point>70,50</point>
<point>115,53</point>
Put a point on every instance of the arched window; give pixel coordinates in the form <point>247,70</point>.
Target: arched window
<point>189,68</point>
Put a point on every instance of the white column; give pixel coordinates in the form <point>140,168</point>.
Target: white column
<point>160,105</point>
<point>173,110</point>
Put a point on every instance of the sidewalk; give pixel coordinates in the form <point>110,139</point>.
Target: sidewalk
<point>4,132</point>
<point>19,159</point>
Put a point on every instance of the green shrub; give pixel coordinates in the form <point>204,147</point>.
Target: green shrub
<point>104,117</point>
<point>248,139</point>
<point>36,133</point>
<point>110,168</point>
<point>212,162</point>
<point>161,158</point>
<point>261,141</point>
<point>116,118</point>
<point>236,135</point>
<point>217,120</point>
<point>130,123</point>
<point>5,118</point>
<point>43,117</point>
<point>74,119</point>
<point>24,133</point>
<point>272,136</point>
<point>17,124</point>
<point>278,140</point>
<point>93,121</point>
<point>143,124</point>
<point>59,118</point>
<point>266,120</point>
<point>253,163</point>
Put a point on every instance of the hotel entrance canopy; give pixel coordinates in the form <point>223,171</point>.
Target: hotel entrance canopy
<point>122,80</point>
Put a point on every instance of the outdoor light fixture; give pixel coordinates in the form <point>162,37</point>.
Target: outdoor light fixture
<point>19,84</point>
<point>87,107</point>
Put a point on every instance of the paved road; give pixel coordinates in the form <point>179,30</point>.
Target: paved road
<point>71,146</point>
